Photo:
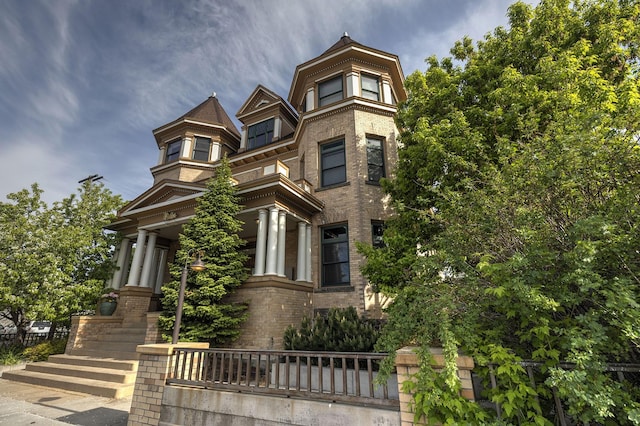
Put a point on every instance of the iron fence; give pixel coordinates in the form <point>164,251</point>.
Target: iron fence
<point>30,339</point>
<point>552,406</point>
<point>335,376</point>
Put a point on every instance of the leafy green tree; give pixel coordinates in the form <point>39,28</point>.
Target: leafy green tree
<point>213,231</point>
<point>517,197</point>
<point>54,260</point>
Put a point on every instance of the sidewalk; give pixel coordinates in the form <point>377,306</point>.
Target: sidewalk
<point>23,404</point>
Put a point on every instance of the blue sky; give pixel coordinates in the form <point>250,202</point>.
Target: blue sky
<point>84,83</point>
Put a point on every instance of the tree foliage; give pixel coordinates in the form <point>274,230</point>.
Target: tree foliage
<point>517,197</point>
<point>208,315</point>
<point>54,260</point>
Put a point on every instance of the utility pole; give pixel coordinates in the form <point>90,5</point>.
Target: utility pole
<point>91,178</point>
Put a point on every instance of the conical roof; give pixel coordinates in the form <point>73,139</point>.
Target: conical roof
<point>211,111</point>
<point>344,40</point>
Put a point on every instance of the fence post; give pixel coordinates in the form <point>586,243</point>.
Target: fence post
<point>155,366</point>
<point>408,364</point>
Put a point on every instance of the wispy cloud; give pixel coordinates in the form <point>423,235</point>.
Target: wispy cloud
<point>83,83</point>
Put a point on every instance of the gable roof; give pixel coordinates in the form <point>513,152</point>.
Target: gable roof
<point>263,97</point>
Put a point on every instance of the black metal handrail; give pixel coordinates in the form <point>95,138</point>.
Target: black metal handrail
<point>347,377</point>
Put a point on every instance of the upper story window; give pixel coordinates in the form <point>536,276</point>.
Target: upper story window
<point>201,149</point>
<point>260,134</point>
<point>370,87</point>
<point>173,150</point>
<point>330,91</point>
<point>333,165</point>
<point>377,229</point>
<point>375,160</point>
<point>335,255</point>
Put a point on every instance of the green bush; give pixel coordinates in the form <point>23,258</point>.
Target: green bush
<point>341,330</point>
<point>11,355</point>
<point>41,351</point>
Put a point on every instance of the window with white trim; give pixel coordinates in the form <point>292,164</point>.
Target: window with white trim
<point>370,87</point>
<point>173,151</point>
<point>201,149</point>
<point>330,91</point>
<point>260,134</point>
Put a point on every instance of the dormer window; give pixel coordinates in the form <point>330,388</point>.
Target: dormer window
<point>260,134</point>
<point>201,149</point>
<point>173,150</point>
<point>370,87</point>
<point>330,91</point>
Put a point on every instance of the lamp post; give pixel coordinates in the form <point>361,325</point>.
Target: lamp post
<point>197,265</point>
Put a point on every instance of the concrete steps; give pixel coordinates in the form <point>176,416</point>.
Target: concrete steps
<point>97,376</point>
<point>106,365</point>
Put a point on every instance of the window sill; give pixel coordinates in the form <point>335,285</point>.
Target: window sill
<point>338,185</point>
<point>335,289</point>
<point>372,183</point>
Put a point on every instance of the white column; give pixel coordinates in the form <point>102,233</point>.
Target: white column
<point>161,155</point>
<point>162,261</point>
<point>186,148</point>
<point>215,151</point>
<point>277,128</point>
<point>386,93</point>
<point>123,255</point>
<point>308,253</point>
<point>243,139</point>
<point>261,242</point>
<point>353,88</point>
<point>301,275</point>
<point>310,101</point>
<point>148,260</point>
<point>134,273</point>
<point>272,241</point>
<point>282,232</point>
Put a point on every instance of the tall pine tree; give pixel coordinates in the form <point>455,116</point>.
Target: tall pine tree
<point>213,232</point>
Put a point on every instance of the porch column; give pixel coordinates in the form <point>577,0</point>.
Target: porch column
<point>261,242</point>
<point>123,255</point>
<point>282,232</point>
<point>301,274</point>
<point>272,241</point>
<point>308,253</point>
<point>162,261</point>
<point>134,273</point>
<point>149,257</point>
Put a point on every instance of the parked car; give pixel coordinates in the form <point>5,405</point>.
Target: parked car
<point>39,327</point>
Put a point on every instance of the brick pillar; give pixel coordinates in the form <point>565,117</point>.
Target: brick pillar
<point>153,370</point>
<point>134,302</point>
<point>407,364</point>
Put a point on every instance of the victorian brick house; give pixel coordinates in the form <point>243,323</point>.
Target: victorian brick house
<point>307,171</point>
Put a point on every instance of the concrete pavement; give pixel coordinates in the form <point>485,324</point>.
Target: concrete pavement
<point>24,404</point>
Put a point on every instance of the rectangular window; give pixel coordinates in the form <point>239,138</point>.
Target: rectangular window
<point>370,87</point>
<point>201,149</point>
<point>260,134</point>
<point>330,91</point>
<point>335,255</point>
<point>377,229</point>
<point>332,164</point>
<point>173,150</point>
<point>375,160</point>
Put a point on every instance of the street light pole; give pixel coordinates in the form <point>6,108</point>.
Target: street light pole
<point>197,265</point>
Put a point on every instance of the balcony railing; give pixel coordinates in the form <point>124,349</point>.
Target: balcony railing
<point>334,376</point>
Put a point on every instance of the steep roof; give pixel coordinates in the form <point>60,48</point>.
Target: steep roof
<point>344,40</point>
<point>210,111</point>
